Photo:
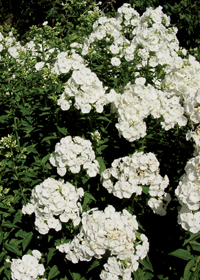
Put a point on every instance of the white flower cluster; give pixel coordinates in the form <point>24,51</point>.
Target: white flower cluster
<point>54,198</point>
<point>132,107</point>
<point>128,174</point>
<point>74,152</point>
<point>192,107</point>
<point>154,43</point>
<point>117,269</point>
<point>188,193</point>
<point>35,49</point>
<point>67,61</point>
<point>28,267</point>
<point>107,230</point>
<point>172,112</point>
<point>195,135</point>
<point>183,80</point>
<point>87,90</point>
<point>139,101</point>
<point>150,37</point>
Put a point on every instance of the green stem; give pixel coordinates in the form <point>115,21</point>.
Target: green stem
<point>57,121</point>
<point>15,128</point>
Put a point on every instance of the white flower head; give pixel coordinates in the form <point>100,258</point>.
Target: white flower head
<point>39,66</point>
<point>115,61</point>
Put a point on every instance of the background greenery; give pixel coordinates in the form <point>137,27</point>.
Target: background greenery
<point>21,14</point>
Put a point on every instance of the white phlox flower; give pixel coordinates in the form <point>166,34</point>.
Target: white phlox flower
<point>54,202</point>
<point>85,89</point>
<point>131,173</point>
<point>72,153</point>
<point>28,267</point>
<point>108,230</point>
<point>188,194</point>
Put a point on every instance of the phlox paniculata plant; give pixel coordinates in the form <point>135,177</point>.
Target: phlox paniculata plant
<point>28,267</point>
<point>54,202</point>
<point>74,153</point>
<point>152,43</point>
<point>131,66</point>
<point>128,174</point>
<point>188,193</point>
<point>107,230</point>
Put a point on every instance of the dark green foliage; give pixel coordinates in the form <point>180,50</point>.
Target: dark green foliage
<point>29,113</point>
<point>71,15</point>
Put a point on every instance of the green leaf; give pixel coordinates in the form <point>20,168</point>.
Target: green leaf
<point>3,206</point>
<point>161,277</point>
<point>45,159</point>
<point>138,274</point>
<point>85,179</point>
<point>1,236</point>
<point>145,189</point>
<point>103,129</point>
<point>104,119</point>
<point>87,198</point>
<point>101,148</point>
<point>75,276</point>
<point>101,163</point>
<point>25,179</point>
<point>19,88</point>
<point>1,268</point>
<point>2,254</point>
<point>12,248</point>
<point>93,265</point>
<point>87,194</point>
<point>49,138</point>
<point>3,118</point>
<point>193,236</point>
<point>195,245</point>
<point>148,276</point>
<point>27,240</point>
<point>9,225</point>
<point>182,254</point>
<point>187,271</point>
<point>63,130</point>
<point>147,263</point>
<point>7,273</point>
<point>18,217</point>
<point>53,272</point>
<point>31,149</point>
<point>50,254</point>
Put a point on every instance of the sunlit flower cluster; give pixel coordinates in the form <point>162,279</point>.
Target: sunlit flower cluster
<point>87,90</point>
<point>155,43</point>
<point>128,174</point>
<point>188,193</point>
<point>53,199</point>
<point>195,135</point>
<point>163,85</point>
<point>67,61</point>
<point>107,230</point>
<point>184,80</point>
<point>149,36</point>
<point>28,267</point>
<point>192,107</point>
<point>139,101</point>
<point>72,153</point>
<point>115,268</point>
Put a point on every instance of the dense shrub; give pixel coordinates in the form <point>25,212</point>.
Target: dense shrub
<point>70,15</point>
<point>99,151</point>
